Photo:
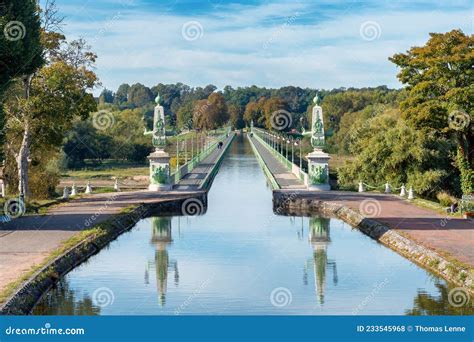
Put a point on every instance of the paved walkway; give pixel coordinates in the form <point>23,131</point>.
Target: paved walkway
<point>284,178</point>
<point>194,179</point>
<point>29,240</point>
<point>444,234</point>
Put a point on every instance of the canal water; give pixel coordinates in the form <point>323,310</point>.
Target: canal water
<point>240,258</point>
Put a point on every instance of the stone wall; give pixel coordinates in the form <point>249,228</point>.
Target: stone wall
<point>23,300</point>
<point>294,204</point>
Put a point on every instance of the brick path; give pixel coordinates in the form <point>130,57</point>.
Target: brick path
<point>444,234</point>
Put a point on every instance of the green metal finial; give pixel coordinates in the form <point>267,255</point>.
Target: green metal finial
<point>316,100</point>
<point>157,99</point>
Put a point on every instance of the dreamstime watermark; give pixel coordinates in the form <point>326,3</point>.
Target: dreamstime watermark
<point>280,30</point>
<point>370,297</point>
<point>14,208</point>
<point>192,207</point>
<point>370,30</point>
<point>14,30</point>
<point>90,220</point>
<point>370,207</point>
<point>191,297</point>
<point>281,120</point>
<point>103,120</point>
<point>458,297</point>
<point>46,330</point>
<point>192,30</point>
<point>281,297</point>
<point>106,27</point>
<point>459,120</point>
<point>103,296</point>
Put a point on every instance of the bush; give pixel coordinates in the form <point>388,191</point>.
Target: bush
<point>445,199</point>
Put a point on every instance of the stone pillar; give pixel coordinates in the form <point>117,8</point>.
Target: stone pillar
<point>318,167</point>
<point>65,193</point>
<point>73,190</point>
<point>318,171</point>
<point>403,191</point>
<point>159,159</point>
<point>2,189</point>
<point>159,171</point>
<point>88,188</point>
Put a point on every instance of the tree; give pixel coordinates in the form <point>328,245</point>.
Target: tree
<point>83,141</point>
<point>440,81</point>
<point>121,96</point>
<point>254,112</point>
<point>139,95</point>
<point>211,113</point>
<point>106,96</point>
<point>184,116</point>
<point>21,51</point>
<point>236,116</point>
<point>56,94</point>
<point>276,114</point>
<point>386,149</point>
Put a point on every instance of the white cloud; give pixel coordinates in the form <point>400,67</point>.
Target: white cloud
<point>269,45</point>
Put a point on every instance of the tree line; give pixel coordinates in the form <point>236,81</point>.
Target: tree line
<point>419,135</point>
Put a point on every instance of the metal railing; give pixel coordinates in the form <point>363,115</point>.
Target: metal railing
<point>283,148</point>
<point>202,151</point>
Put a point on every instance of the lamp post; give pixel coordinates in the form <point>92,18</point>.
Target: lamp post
<point>292,151</point>
<point>192,147</point>
<point>177,153</point>
<point>301,156</point>
<point>185,151</point>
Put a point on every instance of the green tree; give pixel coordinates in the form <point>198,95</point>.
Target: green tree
<point>139,95</point>
<point>121,96</point>
<point>184,115</point>
<point>440,81</point>
<point>21,51</point>
<point>106,96</point>
<point>57,93</point>
<point>386,149</point>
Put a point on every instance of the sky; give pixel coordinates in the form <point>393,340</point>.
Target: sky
<point>317,44</point>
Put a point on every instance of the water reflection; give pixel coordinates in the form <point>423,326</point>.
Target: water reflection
<point>319,237</point>
<point>161,237</point>
<point>426,304</point>
<point>232,257</point>
<point>66,301</point>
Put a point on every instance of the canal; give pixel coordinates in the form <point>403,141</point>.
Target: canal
<point>240,258</point>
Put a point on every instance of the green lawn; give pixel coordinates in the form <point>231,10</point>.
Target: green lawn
<point>108,170</point>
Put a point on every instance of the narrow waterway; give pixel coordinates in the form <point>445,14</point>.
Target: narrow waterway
<point>240,258</point>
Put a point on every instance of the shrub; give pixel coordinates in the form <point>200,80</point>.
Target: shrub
<point>445,199</point>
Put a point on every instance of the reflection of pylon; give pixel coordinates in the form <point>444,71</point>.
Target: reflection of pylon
<point>319,236</point>
<point>161,238</point>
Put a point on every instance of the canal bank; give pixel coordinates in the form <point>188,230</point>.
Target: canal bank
<point>241,258</point>
<point>440,244</point>
<point>347,207</point>
<point>38,250</point>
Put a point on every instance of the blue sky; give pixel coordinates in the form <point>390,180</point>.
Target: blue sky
<point>317,44</point>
